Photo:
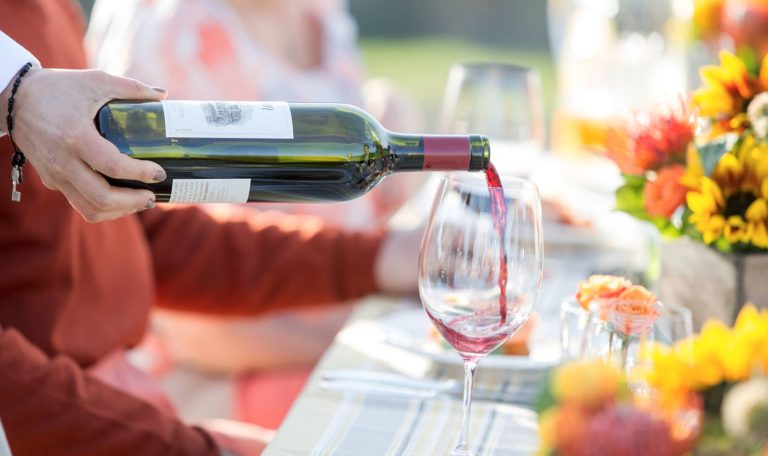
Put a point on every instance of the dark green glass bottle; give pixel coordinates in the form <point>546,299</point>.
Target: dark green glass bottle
<point>254,151</point>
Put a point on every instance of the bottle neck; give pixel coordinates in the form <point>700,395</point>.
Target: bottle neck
<point>439,152</point>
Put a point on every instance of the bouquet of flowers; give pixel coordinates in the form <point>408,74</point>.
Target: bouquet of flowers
<point>701,168</point>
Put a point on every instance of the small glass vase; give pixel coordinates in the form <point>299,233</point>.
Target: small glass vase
<point>618,336</point>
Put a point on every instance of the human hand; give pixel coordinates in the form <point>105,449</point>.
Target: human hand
<point>53,126</point>
<point>397,265</point>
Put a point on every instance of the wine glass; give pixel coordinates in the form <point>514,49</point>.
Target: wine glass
<point>505,103</point>
<point>464,256</point>
<point>675,323</point>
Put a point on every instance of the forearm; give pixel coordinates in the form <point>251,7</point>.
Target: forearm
<point>49,406</point>
<point>255,262</point>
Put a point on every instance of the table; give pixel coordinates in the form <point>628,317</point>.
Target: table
<point>323,422</point>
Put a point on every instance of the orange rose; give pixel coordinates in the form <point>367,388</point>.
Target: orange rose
<point>665,194</point>
<point>600,287</point>
<point>632,312</point>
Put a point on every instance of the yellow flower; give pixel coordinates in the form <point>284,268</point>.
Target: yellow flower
<point>760,234</point>
<point>757,211</point>
<point>757,217</point>
<point>709,199</point>
<point>667,372</point>
<point>706,17</point>
<point>761,350</point>
<point>694,171</point>
<point>737,230</point>
<point>708,367</point>
<point>706,207</point>
<point>728,174</point>
<point>588,385</point>
<point>754,162</point>
<point>750,337</point>
<point>548,421</point>
<point>733,202</point>
<point>727,89</point>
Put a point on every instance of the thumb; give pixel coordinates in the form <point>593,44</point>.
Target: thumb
<point>131,89</point>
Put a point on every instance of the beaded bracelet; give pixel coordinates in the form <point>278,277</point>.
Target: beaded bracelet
<point>18,159</point>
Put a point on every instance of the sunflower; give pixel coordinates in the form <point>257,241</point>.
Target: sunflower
<point>733,202</point>
<point>707,205</point>
<point>727,91</point>
<point>706,18</point>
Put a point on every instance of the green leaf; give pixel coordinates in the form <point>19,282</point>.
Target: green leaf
<point>545,400</point>
<point>750,58</point>
<point>711,152</point>
<point>722,245</point>
<point>634,181</point>
<point>629,199</point>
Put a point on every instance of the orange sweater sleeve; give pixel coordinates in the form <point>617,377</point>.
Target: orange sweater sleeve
<point>240,261</point>
<point>49,406</point>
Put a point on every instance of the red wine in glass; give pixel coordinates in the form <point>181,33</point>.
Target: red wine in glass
<point>472,336</point>
<point>499,214</point>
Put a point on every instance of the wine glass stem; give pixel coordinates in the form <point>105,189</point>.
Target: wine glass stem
<point>462,448</point>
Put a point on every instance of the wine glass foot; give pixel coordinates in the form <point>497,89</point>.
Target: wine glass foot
<point>461,450</point>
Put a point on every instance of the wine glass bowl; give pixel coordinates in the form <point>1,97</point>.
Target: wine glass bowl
<point>480,267</point>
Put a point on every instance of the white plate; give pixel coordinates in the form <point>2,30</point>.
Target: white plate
<point>409,329</point>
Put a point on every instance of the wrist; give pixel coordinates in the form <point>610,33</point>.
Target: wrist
<point>5,94</point>
<point>8,92</point>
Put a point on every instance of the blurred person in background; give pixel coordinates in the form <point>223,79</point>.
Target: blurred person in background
<point>271,50</point>
<point>76,295</point>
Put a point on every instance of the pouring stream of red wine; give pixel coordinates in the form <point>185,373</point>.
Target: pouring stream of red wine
<point>499,214</point>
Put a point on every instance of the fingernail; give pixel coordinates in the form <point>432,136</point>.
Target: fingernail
<point>150,205</point>
<point>159,89</point>
<point>160,175</point>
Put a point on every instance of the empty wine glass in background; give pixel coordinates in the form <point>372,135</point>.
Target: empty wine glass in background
<point>503,102</point>
<point>462,257</point>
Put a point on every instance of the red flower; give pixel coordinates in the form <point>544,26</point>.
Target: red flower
<point>648,142</point>
<point>665,194</point>
<point>627,431</point>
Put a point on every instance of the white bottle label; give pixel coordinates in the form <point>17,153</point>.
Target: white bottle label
<point>227,119</point>
<point>210,190</point>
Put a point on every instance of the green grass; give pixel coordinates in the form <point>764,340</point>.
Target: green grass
<point>420,65</point>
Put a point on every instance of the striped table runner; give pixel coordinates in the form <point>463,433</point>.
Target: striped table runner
<point>394,426</point>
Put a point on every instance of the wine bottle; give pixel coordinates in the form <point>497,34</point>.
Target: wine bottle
<point>216,152</point>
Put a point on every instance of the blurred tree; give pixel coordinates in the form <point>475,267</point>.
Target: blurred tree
<point>520,24</point>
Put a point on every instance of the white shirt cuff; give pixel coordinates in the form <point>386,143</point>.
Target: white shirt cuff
<point>12,57</point>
